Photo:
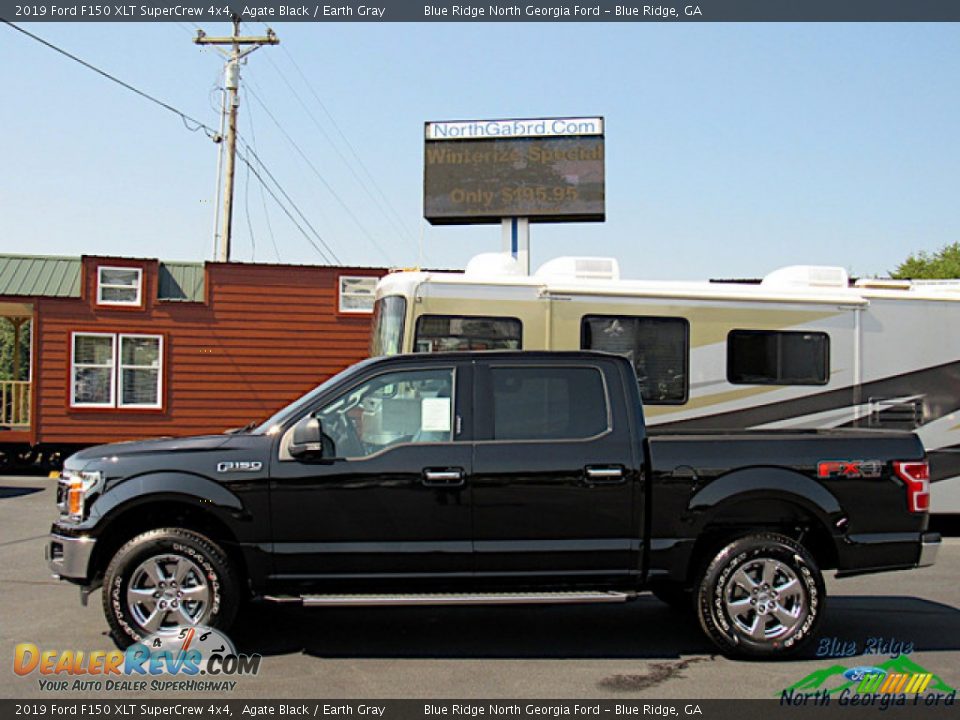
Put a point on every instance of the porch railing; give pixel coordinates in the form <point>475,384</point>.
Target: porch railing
<point>15,404</point>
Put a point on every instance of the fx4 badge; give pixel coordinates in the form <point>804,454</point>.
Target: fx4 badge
<point>849,468</point>
<point>240,466</point>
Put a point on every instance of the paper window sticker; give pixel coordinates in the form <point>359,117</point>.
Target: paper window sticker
<point>435,415</point>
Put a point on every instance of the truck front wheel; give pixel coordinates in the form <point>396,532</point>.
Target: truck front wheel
<point>761,596</point>
<point>167,578</point>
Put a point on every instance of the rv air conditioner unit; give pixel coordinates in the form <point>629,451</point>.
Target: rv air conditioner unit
<point>580,268</point>
<point>807,276</point>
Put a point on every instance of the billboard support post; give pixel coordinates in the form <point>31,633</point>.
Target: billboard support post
<point>515,240</point>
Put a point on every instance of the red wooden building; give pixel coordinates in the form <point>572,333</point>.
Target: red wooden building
<point>123,348</point>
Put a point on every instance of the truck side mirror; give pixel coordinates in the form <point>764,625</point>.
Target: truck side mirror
<point>309,442</point>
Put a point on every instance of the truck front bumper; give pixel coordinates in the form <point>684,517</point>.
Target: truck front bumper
<point>69,557</point>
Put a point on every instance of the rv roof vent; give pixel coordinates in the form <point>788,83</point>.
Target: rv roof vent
<point>581,268</point>
<point>884,284</point>
<point>807,276</point>
<point>493,265</point>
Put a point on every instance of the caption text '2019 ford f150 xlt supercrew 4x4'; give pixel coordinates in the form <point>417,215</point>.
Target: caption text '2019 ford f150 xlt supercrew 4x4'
<point>475,478</point>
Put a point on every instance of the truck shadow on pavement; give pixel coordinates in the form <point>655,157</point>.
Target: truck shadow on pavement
<point>12,492</point>
<point>642,629</point>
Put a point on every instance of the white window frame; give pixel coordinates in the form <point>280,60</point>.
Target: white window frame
<point>73,370</point>
<point>341,294</point>
<point>120,366</point>
<point>116,372</point>
<point>123,303</point>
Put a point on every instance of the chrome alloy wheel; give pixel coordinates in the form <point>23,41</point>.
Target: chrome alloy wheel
<point>765,599</point>
<point>166,592</point>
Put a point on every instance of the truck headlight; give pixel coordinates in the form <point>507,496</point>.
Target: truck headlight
<point>78,486</point>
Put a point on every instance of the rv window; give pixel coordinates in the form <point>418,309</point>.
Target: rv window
<point>440,333</point>
<point>388,320</point>
<point>763,357</point>
<point>548,403</point>
<point>658,347</point>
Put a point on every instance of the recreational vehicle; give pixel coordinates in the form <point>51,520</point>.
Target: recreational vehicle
<point>803,348</point>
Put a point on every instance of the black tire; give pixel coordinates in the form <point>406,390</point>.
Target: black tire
<point>207,577</point>
<point>677,596</point>
<point>761,596</point>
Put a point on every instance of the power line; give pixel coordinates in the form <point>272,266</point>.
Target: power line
<point>346,140</point>
<point>246,211</point>
<point>350,166</point>
<point>198,125</point>
<point>263,197</point>
<point>299,227</point>
<point>266,170</point>
<point>320,177</point>
<point>186,119</point>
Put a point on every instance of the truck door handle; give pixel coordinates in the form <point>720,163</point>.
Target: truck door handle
<point>450,477</point>
<point>604,475</point>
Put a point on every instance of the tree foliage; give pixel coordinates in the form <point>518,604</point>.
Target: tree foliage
<point>943,264</point>
<point>7,343</point>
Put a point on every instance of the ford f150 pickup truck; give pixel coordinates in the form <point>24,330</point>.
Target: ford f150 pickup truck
<point>473,478</point>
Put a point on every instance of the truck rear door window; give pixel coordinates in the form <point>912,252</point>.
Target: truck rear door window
<point>443,333</point>
<point>765,357</point>
<point>658,347</point>
<point>548,403</point>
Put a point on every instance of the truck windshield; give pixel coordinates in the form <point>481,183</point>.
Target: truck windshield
<point>276,421</point>
<point>388,320</point>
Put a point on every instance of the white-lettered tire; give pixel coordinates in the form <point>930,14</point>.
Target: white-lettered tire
<point>761,596</point>
<point>165,578</point>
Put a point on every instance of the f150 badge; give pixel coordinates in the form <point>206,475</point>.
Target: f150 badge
<point>849,468</point>
<point>240,466</point>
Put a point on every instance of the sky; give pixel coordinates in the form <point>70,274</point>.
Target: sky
<point>731,149</point>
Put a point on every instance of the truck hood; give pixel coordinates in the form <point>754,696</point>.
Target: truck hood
<point>202,443</point>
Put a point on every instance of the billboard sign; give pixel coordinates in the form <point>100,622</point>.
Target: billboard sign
<point>545,169</point>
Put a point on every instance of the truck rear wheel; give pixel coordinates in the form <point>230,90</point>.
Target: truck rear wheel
<point>164,579</point>
<point>761,596</point>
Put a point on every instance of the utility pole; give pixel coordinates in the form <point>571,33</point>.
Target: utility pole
<point>240,47</point>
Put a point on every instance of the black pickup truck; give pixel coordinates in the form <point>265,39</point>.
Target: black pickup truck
<point>474,478</point>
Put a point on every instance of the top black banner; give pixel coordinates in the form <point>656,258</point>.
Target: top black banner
<point>274,11</point>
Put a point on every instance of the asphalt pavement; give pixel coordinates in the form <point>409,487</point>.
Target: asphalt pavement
<point>641,649</point>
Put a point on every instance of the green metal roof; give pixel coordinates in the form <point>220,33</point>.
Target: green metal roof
<point>52,276</point>
<point>181,281</point>
<point>39,275</point>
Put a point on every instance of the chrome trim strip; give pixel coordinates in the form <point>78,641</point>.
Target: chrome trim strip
<point>466,599</point>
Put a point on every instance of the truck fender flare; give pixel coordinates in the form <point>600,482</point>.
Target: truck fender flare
<point>183,487</point>
<point>766,483</point>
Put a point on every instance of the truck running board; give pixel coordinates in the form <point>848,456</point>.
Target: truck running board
<point>534,598</point>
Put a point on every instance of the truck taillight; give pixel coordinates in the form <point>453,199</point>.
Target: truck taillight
<point>917,477</point>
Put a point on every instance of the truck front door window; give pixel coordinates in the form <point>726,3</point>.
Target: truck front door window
<point>413,406</point>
